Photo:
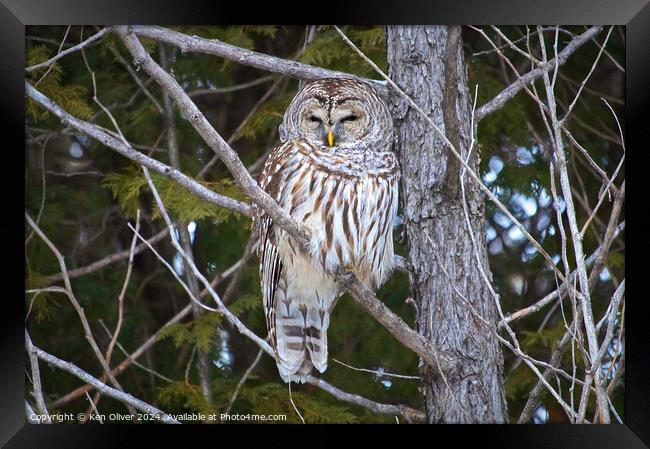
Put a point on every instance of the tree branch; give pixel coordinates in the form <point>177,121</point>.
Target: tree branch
<point>124,364</point>
<point>73,300</point>
<point>519,314</point>
<point>202,362</point>
<point>576,238</point>
<point>409,413</point>
<point>456,154</point>
<point>103,388</point>
<point>242,56</point>
<point>500,100</point>
<point>77,47</point>
<point>128,152</point>
<point>36,381</point>
<point>98,265</point>
<point>229,89</point>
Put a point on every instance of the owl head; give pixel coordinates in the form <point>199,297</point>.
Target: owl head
<point>339,113</point>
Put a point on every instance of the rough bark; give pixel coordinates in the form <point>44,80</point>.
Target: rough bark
<point>427,63</point>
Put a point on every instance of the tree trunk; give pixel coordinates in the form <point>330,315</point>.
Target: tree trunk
<point>427,63</point>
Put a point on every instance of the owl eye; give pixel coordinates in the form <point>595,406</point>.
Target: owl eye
<point>349,118</point>
<point>314,119</point>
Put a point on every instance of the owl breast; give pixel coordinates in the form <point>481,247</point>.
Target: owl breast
<point>348,201</point>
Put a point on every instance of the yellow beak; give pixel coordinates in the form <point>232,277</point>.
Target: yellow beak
<point>330,138</point>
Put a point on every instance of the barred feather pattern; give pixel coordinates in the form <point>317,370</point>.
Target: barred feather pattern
<point>347,198</point>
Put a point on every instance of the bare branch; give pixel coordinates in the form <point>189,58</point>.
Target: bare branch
<point>409,413</point>
<point>584,81</point>
<point>562,289</point>
<point>556,358</point>
<point>500,100</point>
<point>237,132</point>
<point>233,320</point>
<point>36,381</point>
<point>152,340</point>
<point>31,415</point>
<point>73,300</point>
<point>103,388</point>
<point>378,373</point>
<point>576,238</point>
<point>120,298</point>
<point>128,152</point>
<point>611,321</point>
<point>229,89</point>
<point>77,47</point>
<point>108,260</point>
<point>93,407</point>
<point>49,69</point>
<point>136,363</point>
<point>120,315</point>
<point>202,363</point>
<point>135,77</point>
<point>242,56</point>
<point>242,380</point>
<point>211,137</point>
<point>195,301</point>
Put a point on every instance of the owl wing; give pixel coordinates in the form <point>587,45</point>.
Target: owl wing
<point>297,323</point>
<point>270,271</point>
<point>272,180</point>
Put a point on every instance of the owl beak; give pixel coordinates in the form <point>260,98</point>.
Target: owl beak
<point>330,138</point>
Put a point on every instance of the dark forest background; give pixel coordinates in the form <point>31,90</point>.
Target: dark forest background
<point>83,195</point>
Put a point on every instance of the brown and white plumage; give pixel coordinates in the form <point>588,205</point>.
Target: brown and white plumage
<point>345,194</point>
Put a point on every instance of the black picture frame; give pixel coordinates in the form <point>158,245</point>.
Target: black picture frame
<point>15,14</point>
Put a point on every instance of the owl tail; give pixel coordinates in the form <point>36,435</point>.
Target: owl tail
<point>301,339</point>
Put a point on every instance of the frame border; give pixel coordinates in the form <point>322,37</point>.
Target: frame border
<point>635,14</point>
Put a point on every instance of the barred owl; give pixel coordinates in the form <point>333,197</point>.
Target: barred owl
<point>334,173</point>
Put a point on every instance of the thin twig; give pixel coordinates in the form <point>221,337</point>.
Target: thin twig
<point>152,340</point>
<point>69,293</point>
<point>134,362</point>
<point>236,133</point>
<point>555,294</point>
<point>256,339</point>
<point>136,78</point>
<point>105,261</point>
<point>381,373</point>
<point>194,299</point>
<point>500,100</point>
<point>93,406</point>
<point>584,81</point>
<point>294,405</point>
<point>247,373</point>
<point>127,151</point>
<point>77,47</point>
<point>229,89</point>
<point>49,69</point>
<point>120,298</point>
